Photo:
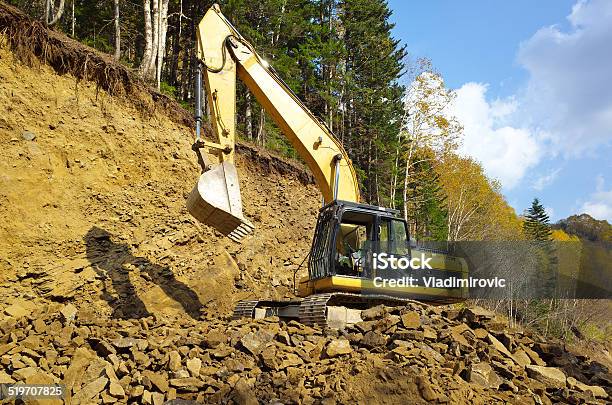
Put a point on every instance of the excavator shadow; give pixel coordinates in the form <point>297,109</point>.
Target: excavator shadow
<point>114,261</point>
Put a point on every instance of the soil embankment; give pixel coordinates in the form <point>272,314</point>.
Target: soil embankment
<point>93,206</point>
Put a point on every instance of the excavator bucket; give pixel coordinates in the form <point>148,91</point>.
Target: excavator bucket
<point>216,201</point>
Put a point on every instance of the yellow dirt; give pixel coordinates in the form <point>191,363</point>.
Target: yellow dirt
<point>93,209</point>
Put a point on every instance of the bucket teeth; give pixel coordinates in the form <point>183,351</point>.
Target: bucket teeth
<point>241,231</point>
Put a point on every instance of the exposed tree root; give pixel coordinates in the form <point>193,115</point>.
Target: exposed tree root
<point>33,44</point>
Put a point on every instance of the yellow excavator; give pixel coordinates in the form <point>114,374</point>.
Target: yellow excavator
<point>345,271</point>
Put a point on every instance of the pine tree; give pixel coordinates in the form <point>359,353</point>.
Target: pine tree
<point>426,207</point>
<point>546,280</point>
<point>537,223</point>
<point>371,97</point>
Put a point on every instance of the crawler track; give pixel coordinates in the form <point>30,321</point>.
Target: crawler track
<point>312,310</point>
<point>245,309</point>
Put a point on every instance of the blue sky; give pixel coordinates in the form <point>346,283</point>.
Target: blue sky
<point>534,92</point>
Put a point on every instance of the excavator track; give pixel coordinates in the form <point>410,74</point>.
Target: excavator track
<point>245,309</point>
<point>312,310</point>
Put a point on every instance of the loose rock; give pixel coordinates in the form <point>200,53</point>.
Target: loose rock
<point>338,347</point>
<point>550,376</point>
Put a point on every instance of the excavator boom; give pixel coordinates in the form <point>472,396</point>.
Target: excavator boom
<point>225,56</point>
<point>341,274</point>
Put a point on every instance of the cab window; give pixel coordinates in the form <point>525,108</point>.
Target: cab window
<point>392,236</point>
<point>353,242</point>
<point>398,230</point>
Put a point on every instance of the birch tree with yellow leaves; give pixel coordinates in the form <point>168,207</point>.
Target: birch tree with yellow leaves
<point>427,125</point>
<point>476,208</point>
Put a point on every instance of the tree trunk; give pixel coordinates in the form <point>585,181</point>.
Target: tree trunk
<point>342,108</point>
<point>248,113</point>
<point>161,43</point>
<point>405,190</point>
<point>148,35</point>
<point>176,48</point>
<point>58,15</point>
<point>73,19</point>
<point>189,59</point>
<point>376,185</point>
<point>47,11</point>
<point>280,21</point>
<point>330,115</point>
<point>369,170</point>
<point>155,48</point>
<point>185,76</point>
<point>395,174</point>
<point>261,131</point>
<point>117,31</point>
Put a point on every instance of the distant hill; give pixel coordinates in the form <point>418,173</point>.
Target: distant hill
<point>586,227</point>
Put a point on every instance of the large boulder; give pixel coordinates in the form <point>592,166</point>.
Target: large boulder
<point>373,313</point>
<point>550,376</point>
<point>482,373</point>
<point>254,342</point>
<point>411,320</point>
<point>597,391</point>
<point>338,347</point>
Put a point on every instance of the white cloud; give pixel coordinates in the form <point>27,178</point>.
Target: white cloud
<point>565,107</point>
<point>599,205</point>
<point>550,211</point>
<point>569,92</point>
<point>506,152</point>
<point>545,180</point>
<point>598,210</point>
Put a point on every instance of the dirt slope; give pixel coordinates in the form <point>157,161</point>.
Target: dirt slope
<point>93,208</point>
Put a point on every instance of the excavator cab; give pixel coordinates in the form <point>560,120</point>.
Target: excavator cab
<point>348,234</point>
<point>348,239</point>
<point>342,276</point>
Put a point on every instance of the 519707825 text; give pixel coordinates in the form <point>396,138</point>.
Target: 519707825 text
<point>31,391</point>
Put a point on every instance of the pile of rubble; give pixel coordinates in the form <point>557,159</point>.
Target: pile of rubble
<point>416,353</point>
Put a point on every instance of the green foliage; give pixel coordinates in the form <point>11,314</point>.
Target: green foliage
<point>188,106</point>
<point>372,96</point>
<point>167,89</point>
<point>598,333</point>
<point>477,210</point>
<point>427,210</point>
<point>100,43</point>
<point>537,223</point>
<point>277,142</point>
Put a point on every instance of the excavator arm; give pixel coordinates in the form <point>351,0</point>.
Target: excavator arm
<point>225,55</point>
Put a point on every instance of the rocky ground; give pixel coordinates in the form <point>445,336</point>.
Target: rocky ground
<point>109,287</point>
<point>418,353</point>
